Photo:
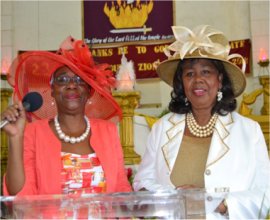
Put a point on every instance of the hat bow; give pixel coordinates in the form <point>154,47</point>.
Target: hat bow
<point>206,41</point>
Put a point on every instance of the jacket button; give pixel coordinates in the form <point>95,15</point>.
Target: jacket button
<point>209,198</point>
<point>208,172</point>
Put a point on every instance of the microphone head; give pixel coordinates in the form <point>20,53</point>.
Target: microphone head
<point>32,101</point>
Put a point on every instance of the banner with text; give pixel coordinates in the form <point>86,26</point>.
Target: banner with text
<point>121,21</point>
<point>144,56</point>
<point>242,47</point>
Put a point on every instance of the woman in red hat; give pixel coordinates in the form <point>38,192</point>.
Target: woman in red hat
<point>73,147</point>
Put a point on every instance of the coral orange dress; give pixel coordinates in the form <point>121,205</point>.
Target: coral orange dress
<point>43,165</point>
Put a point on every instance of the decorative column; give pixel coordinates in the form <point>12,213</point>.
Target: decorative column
<point>5,95</point>
<point>264,81</point>
<point>128,101</point>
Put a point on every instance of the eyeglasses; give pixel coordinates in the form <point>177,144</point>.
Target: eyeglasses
<point>63,80</point>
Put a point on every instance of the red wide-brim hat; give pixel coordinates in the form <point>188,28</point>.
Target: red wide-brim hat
<point>32,71</point>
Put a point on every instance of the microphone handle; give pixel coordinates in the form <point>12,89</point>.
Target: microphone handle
<point>3,123</point>
<point>26,106</point>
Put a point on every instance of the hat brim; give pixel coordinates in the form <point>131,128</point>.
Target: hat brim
<point>32,71</point>
<point>167,69</point>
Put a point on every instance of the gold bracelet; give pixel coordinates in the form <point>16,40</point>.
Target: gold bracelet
<point>225,203</point>
<point>226,213</point>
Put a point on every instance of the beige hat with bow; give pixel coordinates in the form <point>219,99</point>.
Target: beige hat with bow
<point>201,42</point>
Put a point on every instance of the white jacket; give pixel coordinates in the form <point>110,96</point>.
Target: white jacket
<point>237,159</point>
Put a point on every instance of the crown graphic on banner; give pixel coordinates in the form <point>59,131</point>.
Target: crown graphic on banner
<point>124,15</point>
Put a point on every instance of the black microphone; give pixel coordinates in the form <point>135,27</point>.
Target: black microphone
<point>32,101</point>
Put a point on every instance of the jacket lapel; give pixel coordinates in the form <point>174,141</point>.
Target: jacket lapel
<point>174,135</point>
<point>219,147</point>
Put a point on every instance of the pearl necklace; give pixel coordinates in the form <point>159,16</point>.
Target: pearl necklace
<point>67,138</point>
<point>201,131</point>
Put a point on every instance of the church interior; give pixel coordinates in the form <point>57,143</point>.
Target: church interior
<point>42,25</point>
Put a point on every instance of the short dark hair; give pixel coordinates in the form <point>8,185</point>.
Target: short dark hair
<point>223,107</point>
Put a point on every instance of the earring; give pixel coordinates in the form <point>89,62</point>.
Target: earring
<point>89,102</point>
<point>52,103</point>
<point>186,101</point>
<point>219,96</point>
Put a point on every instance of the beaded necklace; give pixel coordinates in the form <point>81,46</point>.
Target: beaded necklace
<point>67,138</point>
<point>201,131</point>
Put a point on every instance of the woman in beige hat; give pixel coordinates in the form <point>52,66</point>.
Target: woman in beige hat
<point>71,146</point>
<point>203,142</point>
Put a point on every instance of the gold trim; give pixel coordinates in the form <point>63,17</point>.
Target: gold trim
<point>145,42</point>
<point>170,138</point>
<point>175,123</point>
<point>231,120</point>
<point>165,155</point>
<point>166,146</point>
<point>221,156</point>
<point>221,137</point>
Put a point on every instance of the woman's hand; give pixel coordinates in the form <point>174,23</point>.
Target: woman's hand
<point>16,116</point>
<point>15,177</point>
<point>222,208</point>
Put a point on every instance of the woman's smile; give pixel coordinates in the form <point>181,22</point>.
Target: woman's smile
<point>199,92</point>
<point>72,96</point>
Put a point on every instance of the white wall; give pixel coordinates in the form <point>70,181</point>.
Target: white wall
<point>43,25</point>
<point>6,37</point>
<point>31,25</point>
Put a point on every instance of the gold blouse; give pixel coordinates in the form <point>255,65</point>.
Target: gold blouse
<point>191,160</point>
